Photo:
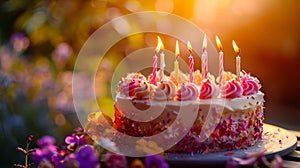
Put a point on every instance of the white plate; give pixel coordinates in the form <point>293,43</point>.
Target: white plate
<point>275,140</point>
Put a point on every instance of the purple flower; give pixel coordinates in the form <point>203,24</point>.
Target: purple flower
<point>59,158</point>
<point>113,160</point>
<point>46,141</point>
<point>87,157</point>
<point>19,41</point>
<point>156,161</point>
<point>47,150</point>
<point>74,140</point>
<point>44,153</point>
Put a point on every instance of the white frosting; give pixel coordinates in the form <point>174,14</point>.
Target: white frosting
<point>240,103</point>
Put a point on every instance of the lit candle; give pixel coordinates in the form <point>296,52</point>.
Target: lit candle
<point>191,61</point>
<point>204,59</point>
<point>238,60</point>
<point>153,81</point>
<point>221,66</point>
<point>176,66</point>
<point>162,57</point>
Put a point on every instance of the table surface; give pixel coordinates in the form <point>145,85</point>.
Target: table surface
<point>292,160</point>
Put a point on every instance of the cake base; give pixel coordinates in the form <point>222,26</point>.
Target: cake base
<point>275,140</point>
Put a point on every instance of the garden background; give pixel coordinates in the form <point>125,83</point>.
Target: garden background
<point>40,40</point>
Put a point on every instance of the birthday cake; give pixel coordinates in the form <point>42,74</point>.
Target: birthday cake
<point>240,113</point>
<point>228,111</point>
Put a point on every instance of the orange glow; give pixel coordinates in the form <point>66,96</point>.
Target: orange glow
<point>164,6</point>
<point>177,50</point>
<point>160,45</point>
<point>219,44</point>
<point>204,45</point>
<point>235,47</point>
<point>189,46</point>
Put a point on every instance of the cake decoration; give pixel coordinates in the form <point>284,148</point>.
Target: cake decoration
<point>231,106</point>
<point>249,84</point>
<point>208,89</point>
<point>231,89</point>
<point>187,92</point>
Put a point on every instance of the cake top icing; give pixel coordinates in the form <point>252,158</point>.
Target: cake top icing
<point>167,88</point>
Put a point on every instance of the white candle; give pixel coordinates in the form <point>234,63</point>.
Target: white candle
<point>221,61</point>
<point>237,59</point>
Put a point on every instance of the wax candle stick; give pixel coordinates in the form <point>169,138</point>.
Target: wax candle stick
<point>176,66</point>
<point>191,62</point>
<point>162,57</point>
<point>204,58</point>
<point>238,60</point>
<point>221,65</point>
<point>155,59</point>
<point>153,81</point>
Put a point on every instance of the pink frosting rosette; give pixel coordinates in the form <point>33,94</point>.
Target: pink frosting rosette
<point>187,92</point>
<point>127,85</point>
<point>208,90</point>
<point>143,92</point>
<point>127,88</point>
<point>231,89</point>
<point>249,84</point>
<point>166,90</point>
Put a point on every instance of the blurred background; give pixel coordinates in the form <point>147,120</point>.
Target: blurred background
<point>40,40</point>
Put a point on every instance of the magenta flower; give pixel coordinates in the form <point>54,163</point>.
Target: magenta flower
<point>47,150</point>
<point>156,161</point>
<point>87,157</point>
<point>74,140</point>
<point>113,160</point>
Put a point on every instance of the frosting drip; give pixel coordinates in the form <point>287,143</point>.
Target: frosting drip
<point>166,90</point>
<point>231,89</point>
<point>208,90</point>
<point>249,84</point>
<point>187,92</point>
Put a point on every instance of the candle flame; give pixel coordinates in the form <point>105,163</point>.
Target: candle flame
<point>219,44</point>
<point>235,47</point>
<point>177,50</point>
<point>160,45</point>
<point>204,45</point>
<point>189,46</point>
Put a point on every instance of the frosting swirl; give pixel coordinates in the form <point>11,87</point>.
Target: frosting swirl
<point>143,91</point>
<point>249,84</point>
<point>127,85</point>
<point>166,90</point>
<point>208,90</point>
<point>231,89</point>
<point>187,92</point>
<point>127,88</point>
